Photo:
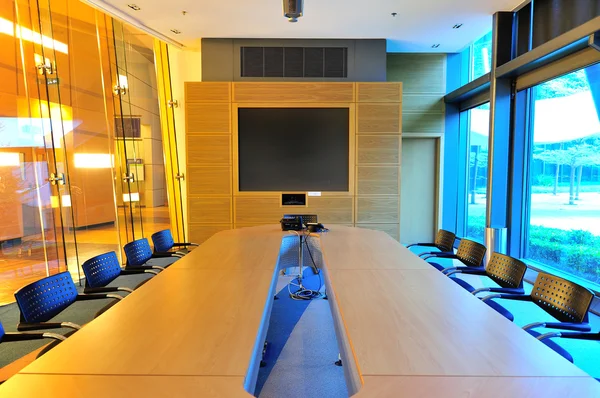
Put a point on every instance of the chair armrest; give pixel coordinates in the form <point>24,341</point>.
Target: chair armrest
<point>508,290</point>
<point>578,327</point>
<point>12,336</point>
<point>518,297</point>
<point>185,244</point>
<point>441,255</point>
<point>138,271</point>
<point>46,325</point>
<point>143,268</point>
<point>428,244</point>
<point>472,271</point>
<point>91,290</point>
<point>84,297</point>
<point>165,255</point>
<point>577,335</point>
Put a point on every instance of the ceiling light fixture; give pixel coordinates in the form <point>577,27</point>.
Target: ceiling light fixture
<point>133,7</point>
<point>457,26</point>
<point>176,31</point>
<point>435,46</point>
<point>394,14</point>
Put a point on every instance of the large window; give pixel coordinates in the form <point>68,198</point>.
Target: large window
<point>477,130</point>
<point>564,174</point>
<point>481,56</point>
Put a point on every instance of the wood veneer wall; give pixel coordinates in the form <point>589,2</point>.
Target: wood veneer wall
<point>214,202</point>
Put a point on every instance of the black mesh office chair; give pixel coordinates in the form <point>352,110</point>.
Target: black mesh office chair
<point>444,242</point>
<point>469,253</point>
<point>566,301</point>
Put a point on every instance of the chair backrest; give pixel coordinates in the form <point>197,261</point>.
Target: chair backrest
<point>138,252</point>
<point>564,300</point>
<point>444,240</point>
<point>470,253</point>
<point>506,271</point>
<point>163,240</point>
<point>101,270</point>
<point>41,300</point>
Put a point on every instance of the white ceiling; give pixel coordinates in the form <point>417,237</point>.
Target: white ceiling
<point>418,25</point>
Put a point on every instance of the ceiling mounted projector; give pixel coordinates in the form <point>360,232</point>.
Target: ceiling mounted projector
<point>292,9</point>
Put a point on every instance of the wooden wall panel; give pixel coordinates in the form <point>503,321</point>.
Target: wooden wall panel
<point>378,209</point>
<point>209,180</point>
<point>259,210</point>
<point>374,149</point>
<point>199,233</point>
<point>293,92</point>
<point>419,73</point>
<point>208,117</point>
<point>423,103</point>
<point>331,209</point>
<point>210,210</point>
<point>379,92</point>
<point>379,118</point>
<point>208,92</point>
<point>373,198</point>
<point>378,180</point>
<point>209,149</point>
<point>422,122</point>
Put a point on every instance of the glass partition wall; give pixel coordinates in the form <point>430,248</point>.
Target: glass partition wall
<point>81,151</point>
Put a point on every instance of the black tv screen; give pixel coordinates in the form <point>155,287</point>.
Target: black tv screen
<point>293,149</point>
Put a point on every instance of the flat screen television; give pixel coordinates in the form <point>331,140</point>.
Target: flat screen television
<point>293,149</point>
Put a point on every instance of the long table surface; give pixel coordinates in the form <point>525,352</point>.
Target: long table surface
<point>192,330</point>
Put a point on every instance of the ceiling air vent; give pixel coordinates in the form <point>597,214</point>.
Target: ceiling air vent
<point>294,62</point>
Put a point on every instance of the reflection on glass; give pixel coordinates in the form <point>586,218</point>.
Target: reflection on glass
<point>564,174</point>
<point>481,56</point>
<point>477,170</point>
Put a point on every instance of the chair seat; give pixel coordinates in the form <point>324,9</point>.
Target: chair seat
<point>557,348</point>
<point>500,309</point>
<point>438,266</point>
<point>130,281</point>
<point>162,262</point>
<point>464,284</point>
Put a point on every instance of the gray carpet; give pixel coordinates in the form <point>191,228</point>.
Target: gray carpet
<point>302,348</point>
<point>80,312</point>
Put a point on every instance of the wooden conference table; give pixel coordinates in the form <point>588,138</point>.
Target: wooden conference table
<point>403,328</point>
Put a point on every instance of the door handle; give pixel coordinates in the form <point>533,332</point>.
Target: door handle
<point>180,176</point>
<point>128,177</point>
<point>57,179</point>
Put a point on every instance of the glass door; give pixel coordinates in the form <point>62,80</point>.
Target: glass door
<point>138,134</point>
<point>173,172</point>
<point>51,61</point>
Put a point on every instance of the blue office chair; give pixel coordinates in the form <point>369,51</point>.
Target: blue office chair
<point>138,254</point>
<point>163,243</point>
<point>10,337</point>
<point>567,335</point>
<point>469,252</point>
<point>104,269</point>
<point>566,301</point>
<point>505,271</point>
<point>444,242</point>
<point>42,300</point>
